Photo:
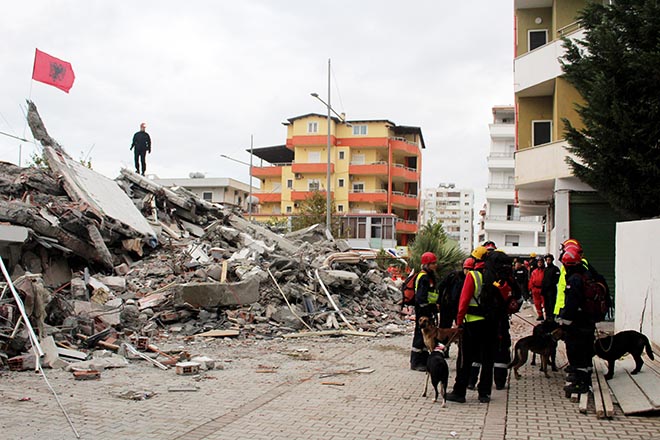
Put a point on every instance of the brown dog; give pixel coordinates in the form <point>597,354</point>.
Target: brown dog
<point>544,345</point>
<point>433,335</point>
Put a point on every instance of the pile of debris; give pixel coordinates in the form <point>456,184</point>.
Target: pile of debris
<point>110,264</point>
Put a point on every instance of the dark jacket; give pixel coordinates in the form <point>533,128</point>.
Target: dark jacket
<point>550,279</point>
<point>141,142</point>
<point>574,297</point>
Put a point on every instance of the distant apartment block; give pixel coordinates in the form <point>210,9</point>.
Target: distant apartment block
<point>375,174</point>
<point>454,209</point>
<point>214,189</point>
<point>500,219</point>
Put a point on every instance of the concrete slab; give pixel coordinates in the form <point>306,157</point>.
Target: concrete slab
<point>212,295</point>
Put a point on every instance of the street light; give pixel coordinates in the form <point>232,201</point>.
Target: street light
<point>250,165</point>
<point>342,119</point>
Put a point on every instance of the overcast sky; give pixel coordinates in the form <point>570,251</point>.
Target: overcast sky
<point>206,75</point>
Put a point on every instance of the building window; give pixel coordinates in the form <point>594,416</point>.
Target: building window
<point>512,212</point>
<point>359,130</point>
<point>289,183</point>
<point>340,208</point>
<point>314,157</point>
<point>358,187</point>
<point>358,159</point>
<point>342,155</point>
<point>313,185</point>
<point>288,210</point>
<point>207,196</point>
<point>541,132</point>
<point>340,183</point>
<point>511,240</point>
<point>537,38</point>
<point>541,240</point>
<point>312,127</point>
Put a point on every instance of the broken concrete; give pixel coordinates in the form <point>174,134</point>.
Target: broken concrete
<point>211,295</point>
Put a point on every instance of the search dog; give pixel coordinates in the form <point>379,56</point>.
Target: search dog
<point>438,371</point>
<point>545,345</point>
<point>611,348</point>
<point>434,335</point>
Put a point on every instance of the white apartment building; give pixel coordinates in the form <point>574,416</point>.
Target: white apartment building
<point>501,221</point>
<point>222,190</point>
<point>454,209</point>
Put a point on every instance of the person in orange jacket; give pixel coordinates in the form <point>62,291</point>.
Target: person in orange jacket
<point>535,286</point>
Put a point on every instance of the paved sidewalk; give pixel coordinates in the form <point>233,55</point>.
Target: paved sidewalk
<point>293,402</point>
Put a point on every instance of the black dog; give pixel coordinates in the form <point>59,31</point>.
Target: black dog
<point>543,329</point>
<point>438,371</point>
<point>614,347</point>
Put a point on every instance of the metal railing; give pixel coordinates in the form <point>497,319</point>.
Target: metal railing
<point>513,218</point>
<point>569,28</point>
<point>500,186</point>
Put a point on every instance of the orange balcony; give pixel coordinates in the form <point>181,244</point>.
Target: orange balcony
<point>268,197</point>
<point>361,142</point>
<point>369,197</point>
<point>313,168</point>
<point>297,196</point>
<point>404,173</point>
<point>309,141</point>
<point>406,227</point>
<point>400,144</point>
<point>262,172</point>
<point>372,169</point>
<point>406,201</point>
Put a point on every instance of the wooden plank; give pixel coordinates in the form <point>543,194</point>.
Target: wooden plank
<point>649,382</point>
<point>600,368</point>
<point>575,397</point>
<point>584,401</point>
<point>598,399</point>
<point>219,333</point>
<point>630,396</point>
<point>600,387</point>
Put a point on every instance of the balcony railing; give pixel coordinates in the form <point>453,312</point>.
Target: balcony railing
<point>569,29</point>
<point>500,155</point>
<point>501,186</point>
<point>512,218</point>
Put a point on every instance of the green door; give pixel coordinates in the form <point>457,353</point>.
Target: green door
<point>593,224</point>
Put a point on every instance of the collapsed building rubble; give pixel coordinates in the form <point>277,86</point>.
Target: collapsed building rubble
<point>118,265</point>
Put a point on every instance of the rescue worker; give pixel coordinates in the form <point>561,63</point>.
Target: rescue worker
<point>578,326</point>
<point>549,286</point>
<point>426,298</point>
<point>450,291</point>
<point>479,334</point>
<point>535,285</point>
<point>521,275</point>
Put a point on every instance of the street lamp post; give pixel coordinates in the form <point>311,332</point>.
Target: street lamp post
<point>250,165</point>
<point>328,203</point>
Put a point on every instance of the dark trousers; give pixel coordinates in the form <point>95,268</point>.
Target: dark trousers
<point>448,312</point>
<point>479,342</point>
<point>140,157</point>
<point>502,355</point>
<point>579,342</point>
<point>549,300</point>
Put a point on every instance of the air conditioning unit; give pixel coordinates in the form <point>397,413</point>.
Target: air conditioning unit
<point>298,176</point>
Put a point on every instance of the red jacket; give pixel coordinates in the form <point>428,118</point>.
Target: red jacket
<point>536,279</point>
<point>466,295</point>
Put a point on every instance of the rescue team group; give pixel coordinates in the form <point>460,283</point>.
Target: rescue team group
<point>480,300</point>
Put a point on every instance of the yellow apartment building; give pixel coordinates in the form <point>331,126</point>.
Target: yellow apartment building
<point>375,176</point>
<point>544,183</point>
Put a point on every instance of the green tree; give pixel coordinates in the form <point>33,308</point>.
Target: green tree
<point>312,210</point>
<point>616,69</point>
<point>433,238</point>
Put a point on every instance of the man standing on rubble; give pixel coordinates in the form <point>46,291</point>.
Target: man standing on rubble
<point>141,145</point>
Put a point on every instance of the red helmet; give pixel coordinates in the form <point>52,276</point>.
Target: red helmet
<point>468,263</point>
<point>428,258</point>
<point>572,242</point>
<point>572,255</point>
<point>490,245</point>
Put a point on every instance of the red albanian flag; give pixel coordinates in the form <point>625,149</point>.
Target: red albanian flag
<point>53,71</point>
